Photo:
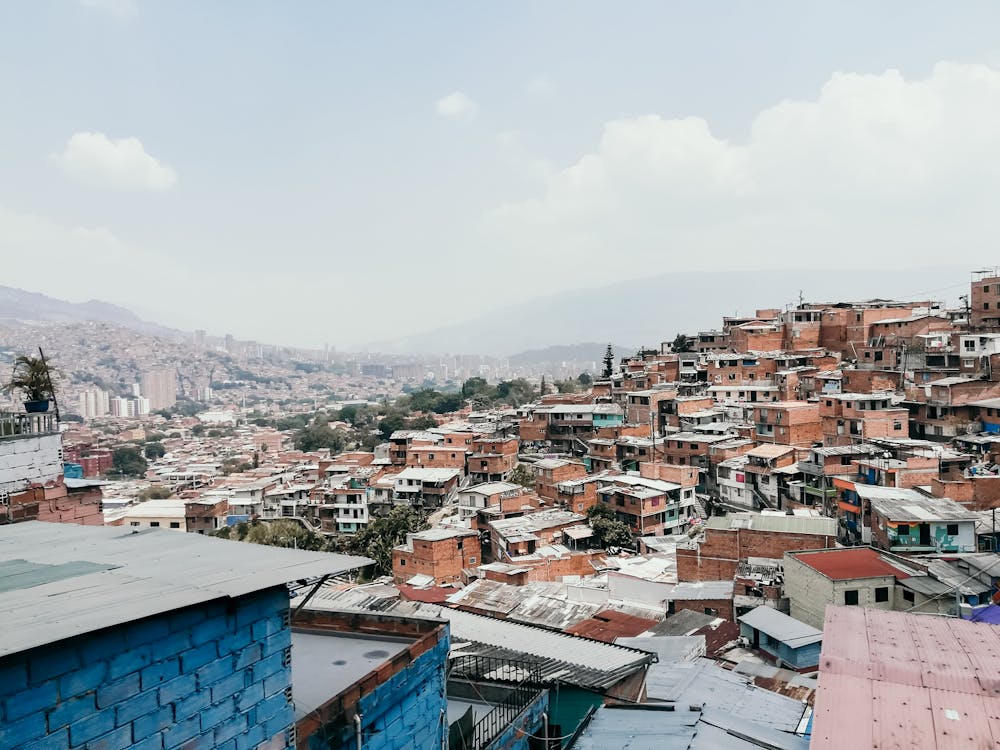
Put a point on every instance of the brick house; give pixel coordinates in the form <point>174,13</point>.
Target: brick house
<point>854,417</point>
<point>788,423</point>
<point>551,471</point>
<point>492,459</point>
<point>439,553</point>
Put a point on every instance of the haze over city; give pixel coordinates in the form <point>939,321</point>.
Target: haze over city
<point>356,174</point>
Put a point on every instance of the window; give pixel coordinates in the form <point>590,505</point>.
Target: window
<point>986,288</point>
<point>907,596</point>
<point>154,523</point>
<point>402,563</point>
<point>134,523</point>
<point>472,560</point>
<point>903,529</point>
<point>851,597</point>
<point>986,305</point>
<point>175,524</point>
<point>952,529</point>
<point>882,594</point>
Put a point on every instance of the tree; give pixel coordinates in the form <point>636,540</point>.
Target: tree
<point>542,388</point>
<point>584,379</point>
<point>128,461</point>
<point>608,533</point>
<point>381,535</point>
<point>566,386</point>
<point>609,362</point>
<point>422,423</point>
<point>682,343</point>
<point>154,451</point>
<point>390,423</point>
<point>523,476</point>
<point>155,492</point>
<point>318,435</point>
<point>284,534</point>
<point>600,510</point>
<point>474,387</point>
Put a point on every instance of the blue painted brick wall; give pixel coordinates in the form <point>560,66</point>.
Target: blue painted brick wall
<point>403,713</point>
<point>209,676</point>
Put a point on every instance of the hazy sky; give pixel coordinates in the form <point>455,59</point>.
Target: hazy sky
<point>317,172</point>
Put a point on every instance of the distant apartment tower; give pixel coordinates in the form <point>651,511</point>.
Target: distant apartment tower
<point>138,406</point>
<point>160,387</point>
<point>199,338</point>
<point>94,403</point>
<point>984,301</point>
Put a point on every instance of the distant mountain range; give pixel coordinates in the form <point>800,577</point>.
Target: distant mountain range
<point>641,312</point>
<point>587,352</point>
<point>31,307</point>
<point>649,310</point>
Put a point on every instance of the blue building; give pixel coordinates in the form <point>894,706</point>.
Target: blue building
<point>791,642</point>
<point>117,639</point>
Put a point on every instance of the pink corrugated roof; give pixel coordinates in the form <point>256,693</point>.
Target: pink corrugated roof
<point>892,679</point>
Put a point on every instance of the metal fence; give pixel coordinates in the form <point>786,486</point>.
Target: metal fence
<point>519,682</point>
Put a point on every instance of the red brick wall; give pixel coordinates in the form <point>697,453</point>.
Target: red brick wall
<point>722,549</point>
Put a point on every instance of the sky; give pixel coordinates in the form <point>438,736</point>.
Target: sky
<point>328,172</point>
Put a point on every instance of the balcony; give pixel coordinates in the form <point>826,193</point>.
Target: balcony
<point>16,425</point>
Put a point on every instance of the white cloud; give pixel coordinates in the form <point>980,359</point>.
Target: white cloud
<point>457,105</point>
<point>121,9</point>
<point>875,170</point>
<point>123,164</point>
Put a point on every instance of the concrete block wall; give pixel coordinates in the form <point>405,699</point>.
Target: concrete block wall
<point>401,713</point>
<point>29,459</point>
<point>216,675</point>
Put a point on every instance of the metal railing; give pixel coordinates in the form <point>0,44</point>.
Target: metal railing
<point>520,681</point>
<point>14,424</point>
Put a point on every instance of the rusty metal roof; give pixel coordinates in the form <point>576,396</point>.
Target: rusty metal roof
<point>608,625</point>
<point>893,679</point>
<point>845,564</point>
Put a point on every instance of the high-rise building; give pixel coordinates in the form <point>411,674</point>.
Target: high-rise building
<point>160,387</point>
<point>94,403</point>
<point>199,338</point>
<point>119,406</point>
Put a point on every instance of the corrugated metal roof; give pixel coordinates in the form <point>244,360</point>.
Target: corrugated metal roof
<point>845,564</point>
<point>703,683</point>
<point>562,657</point>
<point>780,524</point>
<point>668,648</point>
<point>778,625</point>
<point>907,680</point>
<point>115,575</point>
<point>609,625</point>
<point>637,729</point>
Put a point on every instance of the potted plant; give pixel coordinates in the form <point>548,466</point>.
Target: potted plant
<point>33,377</point>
